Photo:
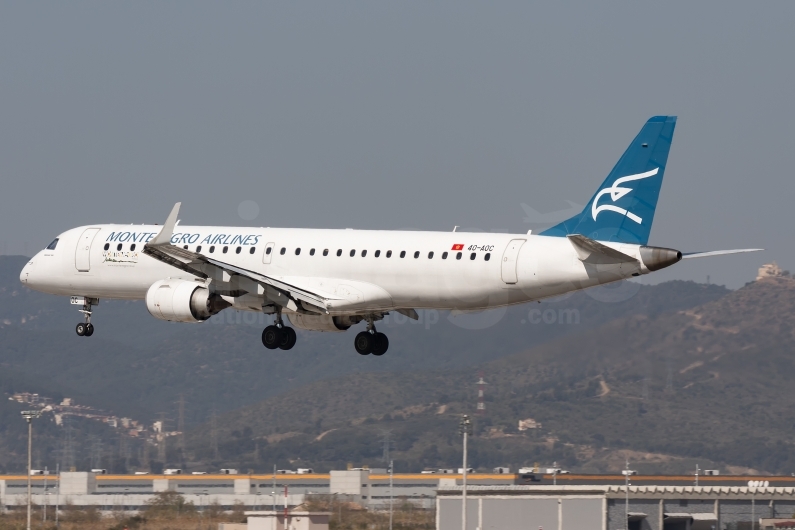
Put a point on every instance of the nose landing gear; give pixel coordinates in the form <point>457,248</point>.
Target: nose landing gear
<point>85,329</point>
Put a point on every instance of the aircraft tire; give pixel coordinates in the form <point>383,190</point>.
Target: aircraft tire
<point>288,338</point>
<point>381,344</point>
<point>80,329</point>
<point>271,337</point>
<point>89,329</point>
<point>364,343</point>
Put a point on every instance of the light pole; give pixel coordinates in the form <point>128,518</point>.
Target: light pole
<point>391,473</point>
<point>29,415</point>
<point>57,493</point>
<point>465,428</point>
<point>44,511</point>
<point>626,493</point>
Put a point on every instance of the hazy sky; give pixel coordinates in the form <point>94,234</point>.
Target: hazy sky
<point>389,115</point>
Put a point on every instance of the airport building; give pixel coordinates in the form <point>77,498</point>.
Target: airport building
<point>616,507</point>
<point>499,500</point>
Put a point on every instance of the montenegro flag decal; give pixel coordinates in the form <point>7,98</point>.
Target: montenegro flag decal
<point>458,246</point>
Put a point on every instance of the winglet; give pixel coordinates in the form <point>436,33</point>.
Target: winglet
<point>164,237</point>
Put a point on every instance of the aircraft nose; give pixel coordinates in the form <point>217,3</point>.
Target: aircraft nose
<point>25,276</point>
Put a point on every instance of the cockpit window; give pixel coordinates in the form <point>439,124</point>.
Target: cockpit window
<point>52,245</point>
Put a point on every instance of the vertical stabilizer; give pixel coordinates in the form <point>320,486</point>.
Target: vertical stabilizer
<point>622,210</point>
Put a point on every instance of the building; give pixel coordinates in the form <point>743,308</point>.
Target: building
<point>663,502</point>
<point>613,507</point>
<point>295,520</point>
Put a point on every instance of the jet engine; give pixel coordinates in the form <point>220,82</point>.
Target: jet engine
<point>182,301</point>
<point>322,322</point>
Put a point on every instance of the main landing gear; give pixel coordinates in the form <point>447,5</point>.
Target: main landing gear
<point>278,335</point>
<point>85,329</point>
<point>371,341</point>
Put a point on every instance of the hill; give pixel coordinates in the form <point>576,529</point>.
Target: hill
<point>708,384</point>
<point>137,366</point>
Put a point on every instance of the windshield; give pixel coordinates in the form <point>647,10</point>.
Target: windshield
<point>52,245</point>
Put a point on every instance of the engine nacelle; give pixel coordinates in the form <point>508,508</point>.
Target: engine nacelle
<point>322,322</point>
<point>182,301</point>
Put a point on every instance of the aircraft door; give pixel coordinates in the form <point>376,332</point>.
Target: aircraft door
<point>510,259</point>
<point>266,257</point>
<point>83,251</point>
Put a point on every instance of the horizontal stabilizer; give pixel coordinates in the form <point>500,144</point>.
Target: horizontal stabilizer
<point>689,255</point>
<point>590,251</point>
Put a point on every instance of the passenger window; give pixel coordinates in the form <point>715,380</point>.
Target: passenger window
<point>132,247</point>
<point>118,247</point>
<point>444,255</point>
<point>54,243</point>
<point>458,256</point>
<point>402,253</point>
<point>282,251</point>
<point>298,251</point>
<point>237,250</point>
<point>487,257</point>
<point>252,250</point>
<point>430,255</point>
<point>185,247</point>
<point>225,249</point>
<point>388,253</point>
<point>212,249</point>
<point>268,250</point>
<point>198,249</point>
<point>311,252</point>
<point>377,253</point>
<point>107,246</point>
<point>339,252</point>
<point>417,254</point>
<point>353,253</point>
<point>472,256</point>
<point>364,253</point>
<point>325,252</point>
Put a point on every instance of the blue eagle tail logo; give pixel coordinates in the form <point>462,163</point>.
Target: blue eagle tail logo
<point>622,210</point>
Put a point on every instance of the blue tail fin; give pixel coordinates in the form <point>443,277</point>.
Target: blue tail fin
<point>623,208</point>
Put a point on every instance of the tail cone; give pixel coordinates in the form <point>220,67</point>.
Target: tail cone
<point>656,258</point>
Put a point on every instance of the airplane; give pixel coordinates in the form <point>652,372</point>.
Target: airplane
<point>331,280</point>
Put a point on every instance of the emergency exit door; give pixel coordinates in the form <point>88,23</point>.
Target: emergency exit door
<point>83,252</point>
<point>509,260</point>
<point>268,254</point>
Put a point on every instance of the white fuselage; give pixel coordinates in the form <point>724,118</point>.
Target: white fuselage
<point>366,270</point>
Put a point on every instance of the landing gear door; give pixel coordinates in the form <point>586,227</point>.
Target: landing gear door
<point>83,251</point>
<point>510,259</point>
<point>266,257</point>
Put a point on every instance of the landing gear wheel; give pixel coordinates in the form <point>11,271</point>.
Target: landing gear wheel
<point>89,329</point>
<point>288,338</point>
<point>81,329</point>
<point>364,343</point>
<point>381,344</point>
<point>271,337</point>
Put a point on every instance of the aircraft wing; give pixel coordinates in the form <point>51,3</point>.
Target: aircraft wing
<point>281,293</point>
<point>688,255</point>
